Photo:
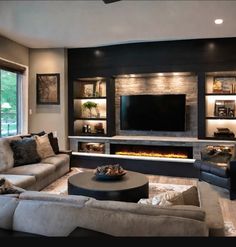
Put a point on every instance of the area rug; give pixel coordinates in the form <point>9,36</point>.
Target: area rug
<point>60,187</point>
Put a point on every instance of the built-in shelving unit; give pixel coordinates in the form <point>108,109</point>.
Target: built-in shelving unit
<point>207,58</point>
<point>220,105</point>
<point>228,118</point>
<point>90,119</point>
<point>217,94</point>
<point>93,106</point>
<point>87,98</point>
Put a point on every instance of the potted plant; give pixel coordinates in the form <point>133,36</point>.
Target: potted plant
<point>90,105</point>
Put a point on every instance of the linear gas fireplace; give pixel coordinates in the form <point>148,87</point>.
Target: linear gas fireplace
<point>181,152</point>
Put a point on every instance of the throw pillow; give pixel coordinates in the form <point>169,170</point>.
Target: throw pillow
<point>44,147</point>
<point>41,133</point>
<point>54,142</point>
<point>24,151</point>
<point>190,196</point>
<point>6,187</point>
<point>6,153</point>
<point>164,199</point>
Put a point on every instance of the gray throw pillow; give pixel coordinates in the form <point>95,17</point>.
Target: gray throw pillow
<point>25,152</point>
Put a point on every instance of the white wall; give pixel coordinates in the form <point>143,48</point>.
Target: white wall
<point>50,118</point>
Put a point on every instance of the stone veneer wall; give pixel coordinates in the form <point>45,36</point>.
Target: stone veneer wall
<point>184,84</point>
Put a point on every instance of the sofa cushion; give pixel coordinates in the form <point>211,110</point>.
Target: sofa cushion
<point>185,211</point>
<point>48,219</point>
<point>6,153</point>
<point>44,147</point>
<point>58,160</point>
<point>24,151</point>
<point>7,209</point>
<point>22,181</point>
<point>38,170</point>
<point>11,195</point>
<point>206,166</point>
<point>209,202</point>
<point>43,196</point>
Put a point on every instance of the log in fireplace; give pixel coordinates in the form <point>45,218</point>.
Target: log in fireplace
<point>182,152</point>
<point>149,159</point>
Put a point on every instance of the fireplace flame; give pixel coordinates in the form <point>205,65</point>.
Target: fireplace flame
<point>152,154</point>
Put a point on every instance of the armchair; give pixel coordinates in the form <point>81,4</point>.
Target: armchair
<point>219,174</point>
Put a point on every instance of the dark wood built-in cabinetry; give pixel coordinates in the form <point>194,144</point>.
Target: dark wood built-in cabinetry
<point>93,107</point>
<point>208,59</point>
<point>217,105</point>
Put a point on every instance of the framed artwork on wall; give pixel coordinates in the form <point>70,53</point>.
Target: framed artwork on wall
<point>48,89</point>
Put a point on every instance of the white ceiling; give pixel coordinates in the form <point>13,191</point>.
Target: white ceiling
<point>51,24</point>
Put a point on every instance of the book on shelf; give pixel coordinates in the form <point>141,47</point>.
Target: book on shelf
<point>224,85</point>
<point>224,108</point>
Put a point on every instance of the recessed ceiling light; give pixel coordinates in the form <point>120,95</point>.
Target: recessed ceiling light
<point>218,21</point>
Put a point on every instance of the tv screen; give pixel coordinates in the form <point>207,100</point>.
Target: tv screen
<point>153,112</point>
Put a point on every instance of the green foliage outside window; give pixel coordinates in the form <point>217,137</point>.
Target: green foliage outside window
<point>8,101</point>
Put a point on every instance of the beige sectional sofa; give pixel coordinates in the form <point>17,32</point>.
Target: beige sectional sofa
<point>56,215</point>
<point>32,176</point>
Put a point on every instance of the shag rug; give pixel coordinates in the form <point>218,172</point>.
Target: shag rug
<point>60,187</point>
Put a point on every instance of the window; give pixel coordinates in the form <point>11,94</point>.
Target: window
<point>10,98</point>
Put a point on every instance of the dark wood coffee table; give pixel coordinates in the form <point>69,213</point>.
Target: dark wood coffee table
<point>130,188</point>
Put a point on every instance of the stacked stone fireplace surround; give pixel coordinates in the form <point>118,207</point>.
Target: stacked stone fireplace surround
<point>160,85</point>
<point>169,84</point>
<point>187,84</point>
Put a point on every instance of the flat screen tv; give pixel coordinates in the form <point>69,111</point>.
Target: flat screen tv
<point>153,112</point>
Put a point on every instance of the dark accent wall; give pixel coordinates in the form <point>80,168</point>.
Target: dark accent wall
<point>198,56</point>
<point>148,57</point>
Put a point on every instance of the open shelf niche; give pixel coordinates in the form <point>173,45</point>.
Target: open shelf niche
<point>92,107</point>
<point>220,105</point>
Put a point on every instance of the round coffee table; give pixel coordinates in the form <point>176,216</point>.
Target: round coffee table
<point>130,188</point>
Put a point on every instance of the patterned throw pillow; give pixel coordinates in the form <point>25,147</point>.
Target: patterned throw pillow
<point>44,147</point>
<point>6,187</point>
<point>24,151</point>
<point>164,199</point>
